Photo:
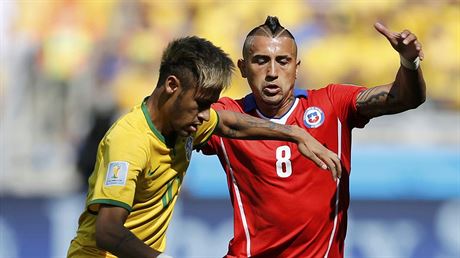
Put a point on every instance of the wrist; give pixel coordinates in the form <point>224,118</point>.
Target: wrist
<point>298,134</point>
<point>411,65</point>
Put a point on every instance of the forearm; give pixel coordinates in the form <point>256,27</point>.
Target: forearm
<point>242,126</point>
<point>121,242</point>
<point>411,88</point>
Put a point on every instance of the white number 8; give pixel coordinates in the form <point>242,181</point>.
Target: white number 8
<point>283,162</point>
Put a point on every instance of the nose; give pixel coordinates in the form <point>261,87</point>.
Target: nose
<point>204,115</point>
<point>272,71</point>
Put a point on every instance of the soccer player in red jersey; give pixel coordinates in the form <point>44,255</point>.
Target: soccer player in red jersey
<point>284,205</point>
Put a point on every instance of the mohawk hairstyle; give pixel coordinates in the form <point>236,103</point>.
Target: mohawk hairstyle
<point>272,22</point>
<point>271,28</point>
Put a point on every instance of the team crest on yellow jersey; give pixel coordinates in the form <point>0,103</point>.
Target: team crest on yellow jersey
<point>116,173</point>
<point>188,147</point>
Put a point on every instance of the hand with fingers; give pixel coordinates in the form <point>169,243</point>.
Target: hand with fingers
<point>323,157</point>
<point>405,42</point>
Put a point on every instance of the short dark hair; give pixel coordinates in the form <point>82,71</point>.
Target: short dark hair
<point>196,60</point>
<point>271,28</point>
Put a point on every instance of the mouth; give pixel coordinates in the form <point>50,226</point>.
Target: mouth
<point>271,90</point>
<point>192,128</point>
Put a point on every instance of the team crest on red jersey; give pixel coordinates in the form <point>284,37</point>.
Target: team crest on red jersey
<point>313,117</point>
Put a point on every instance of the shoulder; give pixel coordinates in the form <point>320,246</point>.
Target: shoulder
<point>334,90</point>
<point>227,103</point>
<point>226,100</point>
<point>344,87</point>
<point>129,130</point>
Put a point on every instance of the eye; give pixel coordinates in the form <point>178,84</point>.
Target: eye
<point>260,60</point>
<point>203,105</point>
<point>283,60</point>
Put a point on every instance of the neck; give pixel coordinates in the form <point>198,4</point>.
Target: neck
<point>278,110</point>
<point>156,109</point>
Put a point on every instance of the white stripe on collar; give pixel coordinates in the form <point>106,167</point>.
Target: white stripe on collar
<point>282,120</point>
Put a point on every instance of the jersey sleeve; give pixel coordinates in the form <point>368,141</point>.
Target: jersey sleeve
<point>122,159</point>
<point>343,97</point>
<point>204,131</point>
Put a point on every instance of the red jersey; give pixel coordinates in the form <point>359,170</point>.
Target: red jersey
<point>284,205</point>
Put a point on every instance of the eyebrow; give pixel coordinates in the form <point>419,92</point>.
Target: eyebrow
<point>260,55</point>
<point>276,57</point>
<point>206,101</point>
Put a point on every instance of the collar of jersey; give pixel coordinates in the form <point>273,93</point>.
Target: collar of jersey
<point>250,102</point>
<point>149,121</point>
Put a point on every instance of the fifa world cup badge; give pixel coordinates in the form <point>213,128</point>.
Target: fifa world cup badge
<point>313,117</point>
<point>188,147</point>
<point>116,173</point>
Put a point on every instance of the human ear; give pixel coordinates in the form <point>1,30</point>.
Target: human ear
<point>172,83</point>
<point>242,67</point>
<point>297,67</point>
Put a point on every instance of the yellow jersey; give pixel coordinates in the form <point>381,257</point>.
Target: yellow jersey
<point>139,170</point>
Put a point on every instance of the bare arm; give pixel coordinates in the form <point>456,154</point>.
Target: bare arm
<point>111,235</point>
<point>408,89</point>
<point>242,126</point>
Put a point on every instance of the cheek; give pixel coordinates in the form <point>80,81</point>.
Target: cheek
<point>186,116</point>
<point>257,77</point>
<point>256,71</point>
<point>177,115</point>
<point>289,74</point>
<point>183,111</point>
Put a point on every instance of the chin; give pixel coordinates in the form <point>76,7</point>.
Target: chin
<point>272,100</point>
<point>185,133</point>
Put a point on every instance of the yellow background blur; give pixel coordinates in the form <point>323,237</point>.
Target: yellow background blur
<point>337,41</point>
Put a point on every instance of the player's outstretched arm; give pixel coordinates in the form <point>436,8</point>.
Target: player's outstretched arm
<point>408,89</point>
<point>111,235</point>
<point>242,126</point>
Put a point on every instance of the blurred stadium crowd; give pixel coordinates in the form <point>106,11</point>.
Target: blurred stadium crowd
<point>69,67</point>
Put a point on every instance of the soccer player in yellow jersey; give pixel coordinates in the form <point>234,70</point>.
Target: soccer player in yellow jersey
<point>142,159</point>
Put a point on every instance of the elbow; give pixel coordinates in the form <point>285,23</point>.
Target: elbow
<point>414,101</point>
<point>420,96</point>
<point>413,104</point>
<point>101,240</point>
<point>104,239</point>
<point>419,100</point>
